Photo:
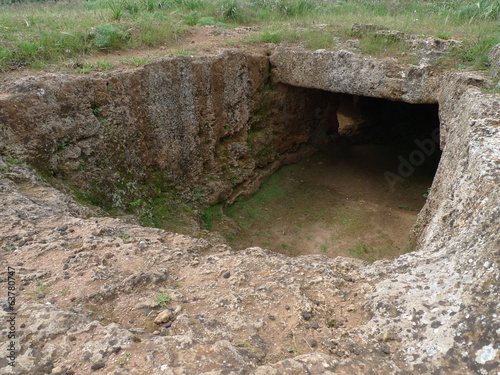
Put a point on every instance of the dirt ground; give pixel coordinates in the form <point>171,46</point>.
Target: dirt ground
<point>336,202</point>
<point>198,41</point>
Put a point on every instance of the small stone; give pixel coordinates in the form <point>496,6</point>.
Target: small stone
<point>66,277</point>
<point>80,274</point>
<point>163,317</point>
<point>98,365</point>
<point>66,266</point>
<point>227,275</point>
<point>156,333</point>
<point>385,349</point>
<point>307,316</point>
<point>272,317</point>
<point>287,307</point>
<point>340,353</point>
<point>313,343</point>
<point>63,228</point>
<point>168,325</point>
<point>435,324</point>
<point>72,338</point>
<point>317,303</point>
<point>351,308</point>
<point>116,349</point>
<point>23,325</point>
<point>109,255</point>
<point>353,348</point>
<point>48,369</point>
<point>40,296</point>
<point>56,370</point>
<point>314,325</point>
<point>72,299</point>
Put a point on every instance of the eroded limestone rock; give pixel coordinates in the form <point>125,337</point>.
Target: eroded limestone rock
<point>90,284</point>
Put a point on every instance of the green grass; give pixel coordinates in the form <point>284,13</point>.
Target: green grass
<point>365,252</point>
<point>210,215</point>
<point>382,45</point>
<point>40,292</point>
<point>162,300</point>
<point>34,34</point>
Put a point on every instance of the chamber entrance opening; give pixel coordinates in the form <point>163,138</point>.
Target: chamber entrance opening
<point>358,197</point>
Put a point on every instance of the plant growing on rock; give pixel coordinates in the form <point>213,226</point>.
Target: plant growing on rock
<point>426,193</point>
<point>40,292</point>
<point>162,300</point>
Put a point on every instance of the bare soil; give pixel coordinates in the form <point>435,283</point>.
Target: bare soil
<point>335,203</point>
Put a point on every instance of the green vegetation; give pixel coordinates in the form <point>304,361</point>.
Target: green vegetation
<point>34,35</point>
<point>426,193</point>
<point>298,211</point>
<point>124,359</point>
<point>12,161</point>
<point>164,210</point>
<point>138,61</point>
<point>331,323</point>
<point>162,300</point>
<point>210,215</point>
<point>364,252</point>
<point>40,292</point>
<point>89,196</point>
<point>98,65</point>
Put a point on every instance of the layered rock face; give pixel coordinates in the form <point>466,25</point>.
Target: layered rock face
<point>214,125</point>
<point>103,282</point>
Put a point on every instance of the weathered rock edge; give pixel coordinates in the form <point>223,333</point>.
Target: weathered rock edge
<point>437,307</point>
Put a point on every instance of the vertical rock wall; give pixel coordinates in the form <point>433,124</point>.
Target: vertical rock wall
<point>216,126</point>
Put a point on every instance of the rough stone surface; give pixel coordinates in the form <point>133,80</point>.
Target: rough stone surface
<point>351,73</point>
<point>494,60</point>
<point>434,310</point>
<point>198,126</point>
